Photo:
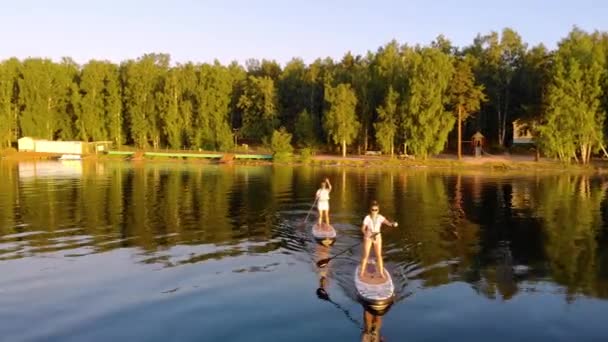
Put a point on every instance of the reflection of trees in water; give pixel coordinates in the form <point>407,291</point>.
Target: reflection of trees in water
<point>9,199</point>
<point>425,213</point>
<point>465,239</point>
<point>494,233</point>
<point>569,207</point>
<point>541,227</point>
<point>148,206</point>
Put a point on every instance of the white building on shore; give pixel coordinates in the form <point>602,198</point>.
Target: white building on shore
<point>28,144</point>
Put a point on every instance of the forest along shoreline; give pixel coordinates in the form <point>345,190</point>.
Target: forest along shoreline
<point>495,163</point>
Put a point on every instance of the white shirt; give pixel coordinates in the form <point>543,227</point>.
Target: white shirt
<point>373,225</point>
<point>323,195</point>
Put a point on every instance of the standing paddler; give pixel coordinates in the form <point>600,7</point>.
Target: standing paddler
<point>371,236</point>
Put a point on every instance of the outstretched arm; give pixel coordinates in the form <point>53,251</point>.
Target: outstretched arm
<point>328,184</point>
<point>389,223</point>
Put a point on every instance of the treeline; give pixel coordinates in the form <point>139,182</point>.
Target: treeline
<point>400,98</point>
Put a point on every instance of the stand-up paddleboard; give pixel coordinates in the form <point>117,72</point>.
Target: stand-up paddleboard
<point>325,233</point>
<point>375,292</point>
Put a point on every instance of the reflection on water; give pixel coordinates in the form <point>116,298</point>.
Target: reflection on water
<point>503,237</point>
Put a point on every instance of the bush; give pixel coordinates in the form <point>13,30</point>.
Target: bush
<point>495,149</point>
<point>522,149</point>
<point>282,157</point>
<point>280,145</point>
<point>306,154</point>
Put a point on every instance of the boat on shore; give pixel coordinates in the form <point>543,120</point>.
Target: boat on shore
<point>70,157</point>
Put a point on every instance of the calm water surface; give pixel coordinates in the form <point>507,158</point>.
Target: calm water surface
<point>155,252</point>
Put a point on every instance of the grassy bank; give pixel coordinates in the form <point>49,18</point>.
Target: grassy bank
<point>445,162</point>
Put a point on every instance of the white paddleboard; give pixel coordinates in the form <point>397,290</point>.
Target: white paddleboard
<point>326,232</point>
<point>373,289</point>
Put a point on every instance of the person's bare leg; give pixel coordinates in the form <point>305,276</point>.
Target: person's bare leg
<point>327,216</point>
<point>367,244</point>
<point>378,250</point>
<point>320,218</point>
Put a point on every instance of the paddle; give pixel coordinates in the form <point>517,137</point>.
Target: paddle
<point>323,295</point>
<point>323,262</point>
<point>309,211</point>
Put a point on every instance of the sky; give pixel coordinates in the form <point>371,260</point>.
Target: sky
<point>202,31</point>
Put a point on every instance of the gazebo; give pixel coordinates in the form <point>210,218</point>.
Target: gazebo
<point>477,140</point>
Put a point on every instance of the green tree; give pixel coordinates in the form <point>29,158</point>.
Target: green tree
<point>340,120</point>
<point>66,80</point>
<point>465,96</point>
<point>387,70</point>
<point>574,119</point>
<point>363,87</point>
<point>188,104</point>
<point>113,99</point>
<point>425,119</point>
<point>264,68</point>
<point>169,99</point>
<point>214,98</point>
<point>9,71</point>
<point>386,127</point>
<point>500,60</point>
<point>320,74</point>
<point>280,144</point>
<point>94,120</point>
<point>304,129</point>
<point>534,79</point>
<point>141,80</point>
<point>259,105</point>
<point>39,98</point>
<point>292,92</point>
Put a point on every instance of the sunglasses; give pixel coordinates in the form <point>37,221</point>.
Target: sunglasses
<point>375,209</point>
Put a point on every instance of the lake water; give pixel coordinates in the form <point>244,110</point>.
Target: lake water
<point>178,252</point>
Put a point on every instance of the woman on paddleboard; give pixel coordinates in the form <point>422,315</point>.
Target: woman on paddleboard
<point>323,201</point>
<point>371,236</point>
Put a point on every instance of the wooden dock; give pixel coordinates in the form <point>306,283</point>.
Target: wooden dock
<point>222,157</point>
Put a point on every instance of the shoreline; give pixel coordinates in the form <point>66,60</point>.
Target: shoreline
<point>445,162</point>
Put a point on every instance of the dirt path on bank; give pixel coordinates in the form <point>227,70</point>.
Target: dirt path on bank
<point>445,157</point>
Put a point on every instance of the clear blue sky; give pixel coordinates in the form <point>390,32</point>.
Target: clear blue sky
<point>201,31</point>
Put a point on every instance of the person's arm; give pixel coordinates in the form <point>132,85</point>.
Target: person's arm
<point>364,228</point>
<point>328,184</point>
<point>389,223</point>
<point>318,194</point>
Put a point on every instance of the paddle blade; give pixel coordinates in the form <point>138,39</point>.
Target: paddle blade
<point>322,294</point>
<point>323,262</point>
